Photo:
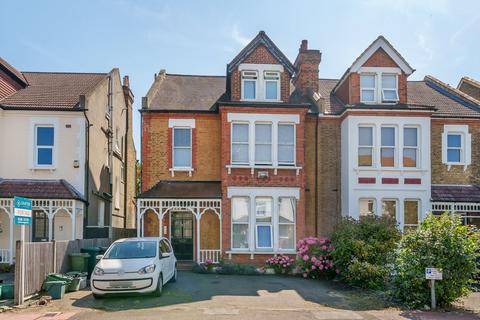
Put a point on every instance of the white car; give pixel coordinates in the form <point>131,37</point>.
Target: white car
<point>140,265</point>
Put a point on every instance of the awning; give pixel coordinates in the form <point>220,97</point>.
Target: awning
<point>184,189</point>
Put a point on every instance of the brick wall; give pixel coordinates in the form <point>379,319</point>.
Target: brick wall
<point>260,55</point>
<point>457,174</point>
<point>310,143</point>
<point>7,85</point>
<point>157,148</point>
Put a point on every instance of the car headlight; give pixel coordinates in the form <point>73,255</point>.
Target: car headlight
<point>147,269</point>
<point>98,271</point>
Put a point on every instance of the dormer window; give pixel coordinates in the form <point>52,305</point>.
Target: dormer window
<point>272,85</point>
<point>367,88</point>
<point>249,85</point>
<point>389,88</point>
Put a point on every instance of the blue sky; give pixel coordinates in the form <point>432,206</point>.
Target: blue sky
<point>438,37</point>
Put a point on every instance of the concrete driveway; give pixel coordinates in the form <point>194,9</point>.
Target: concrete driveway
<point>197,296</point>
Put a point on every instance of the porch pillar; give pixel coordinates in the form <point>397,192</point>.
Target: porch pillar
<point>50,221</point>
<point>74,222</point>
<point>11,236</point>
<point>197,216</point>
<point>139,221</point>
<point>160,224</point>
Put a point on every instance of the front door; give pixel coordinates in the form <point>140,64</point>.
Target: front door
<point>182,235</point>
<point>39,226</point>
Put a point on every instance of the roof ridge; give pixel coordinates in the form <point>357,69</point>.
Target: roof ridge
<point>195,75</point>
<point>472,81</point>
<point>453,90</point>
<point>66,72</point>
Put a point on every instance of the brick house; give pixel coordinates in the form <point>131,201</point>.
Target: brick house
<point>66,142</point>
<point>239,167</point>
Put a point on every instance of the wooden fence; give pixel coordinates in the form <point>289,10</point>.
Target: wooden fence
<point>42,258</point>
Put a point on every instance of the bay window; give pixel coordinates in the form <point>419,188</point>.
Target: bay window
<point>286,144</point>
<point>286,223</point>
<point>240,143</point>
<point>410,147</point>
<point>368,88</point>
<point>182,147</point>
<point>249,85</point>
<point>272,85</point>
<point>365,146</point>
<point>263,143</point>
<point>387,150</point>
<point>44,145</point>
<point>240,222</point>
<point>389,88</point>
<point>263,223</point>
<point>367,207</point>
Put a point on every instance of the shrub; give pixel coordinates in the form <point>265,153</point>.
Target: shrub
<point>314,258</point>
<point>439,242</point>
<point>243,269</point>
<point>364,250</point>
<point>282,264</point>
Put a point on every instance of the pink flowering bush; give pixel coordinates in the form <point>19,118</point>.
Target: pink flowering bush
<point>282,264</point>
<point>208,265</point>
<point>314,259</point>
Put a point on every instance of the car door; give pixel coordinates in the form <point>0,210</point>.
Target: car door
<point>163,264</point>
<point>168,261</point>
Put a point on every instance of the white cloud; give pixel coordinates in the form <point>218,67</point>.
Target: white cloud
<point>238,37</point>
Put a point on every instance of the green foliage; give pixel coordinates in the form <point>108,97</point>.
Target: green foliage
<point>6,268</point>
<point>364,248</point>
<point>439,242</point>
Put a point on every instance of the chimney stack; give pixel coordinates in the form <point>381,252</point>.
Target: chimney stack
<point>306,67</point>
<point>126,81</point>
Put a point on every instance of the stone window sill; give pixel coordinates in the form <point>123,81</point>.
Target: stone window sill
<point>252,168</point>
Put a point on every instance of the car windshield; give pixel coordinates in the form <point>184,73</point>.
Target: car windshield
<point>132,250</point>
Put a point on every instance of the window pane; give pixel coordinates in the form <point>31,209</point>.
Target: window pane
<point>410,137</point>
<point>240,132</point>
<point>264,236</point>
<point>271,90</point>
<point>409,157</point>
<point>44,136</point>
<point>368,95</point>
<point>410,212</point>
<point>263,133</point>
<point>388,136</point>
<point>454,141</point>
<point>249,89</point>
<point>181,137</point>
<point>263,209</point>
<point>387,157</point>
<point>287,210</point>
<point>389,82</point>
<point>182,157</point>
<point>240,210</point>
<point>286,154</point>
<point>286,133</point>
<point>389,208</point>
<point>390,95</point>
<point>263,153</point>
<point>240,153</point>
<point>365,157</point>
<point>365,136</point>
<point>367,207</point>
<point>45,156</point>
<point>453,155</point>
<point>240,236</point>
<point>286,236</point>
<point>367,81</point>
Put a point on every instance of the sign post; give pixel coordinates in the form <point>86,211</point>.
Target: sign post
<point>433,274</point>
<point>22,213</point>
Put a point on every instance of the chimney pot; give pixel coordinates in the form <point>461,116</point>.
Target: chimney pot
<point>304,45</point>
<point>126,81</point>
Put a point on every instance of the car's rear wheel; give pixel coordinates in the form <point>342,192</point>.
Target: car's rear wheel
<point>174,277</point>
<point>159,290</point>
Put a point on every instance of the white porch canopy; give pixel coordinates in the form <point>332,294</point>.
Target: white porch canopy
<point>197,207</point>
<point>73,208</point>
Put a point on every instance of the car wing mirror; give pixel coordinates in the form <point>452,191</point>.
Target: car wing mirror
<point>99,256</point>
<point>164,255</point>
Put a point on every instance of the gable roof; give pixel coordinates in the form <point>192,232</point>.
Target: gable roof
<point>261,39</point>
<point>380,42</point>
<point>14,73</point>
<point>470,81</point>
<point>454,93</point>
<point>52,91</point>
<point>178,92</point>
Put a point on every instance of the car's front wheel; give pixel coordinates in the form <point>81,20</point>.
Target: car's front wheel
<point>174,277</point>
<point>159,290</point>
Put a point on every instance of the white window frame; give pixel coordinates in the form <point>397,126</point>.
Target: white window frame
<point>239,143</point>
<point>417,148</point>
<point>190,148</point>
<point>294,223</point>
<point>383,100</point>
<point>372,146</point>
<point>374,206</point>
<point>271,144</point>
<point>394,147</point>
<point>280,163</point>
<point>461,148</point>
<point>466,149</point>
<point>240,223</point>
<point>36,146</point>
<point>379,72</point>
<point>374,89</point>
<point>267,74</point>
<point>264,223</point>
<point>249,75</point>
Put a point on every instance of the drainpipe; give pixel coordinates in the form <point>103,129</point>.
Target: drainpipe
<point>87,164</point>
<point>110,152</point>
<point>316,176</point>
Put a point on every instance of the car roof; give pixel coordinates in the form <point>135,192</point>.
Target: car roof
<point>141,239</point>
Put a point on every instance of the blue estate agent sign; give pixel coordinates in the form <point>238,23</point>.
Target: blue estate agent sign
<point>22,210</point>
